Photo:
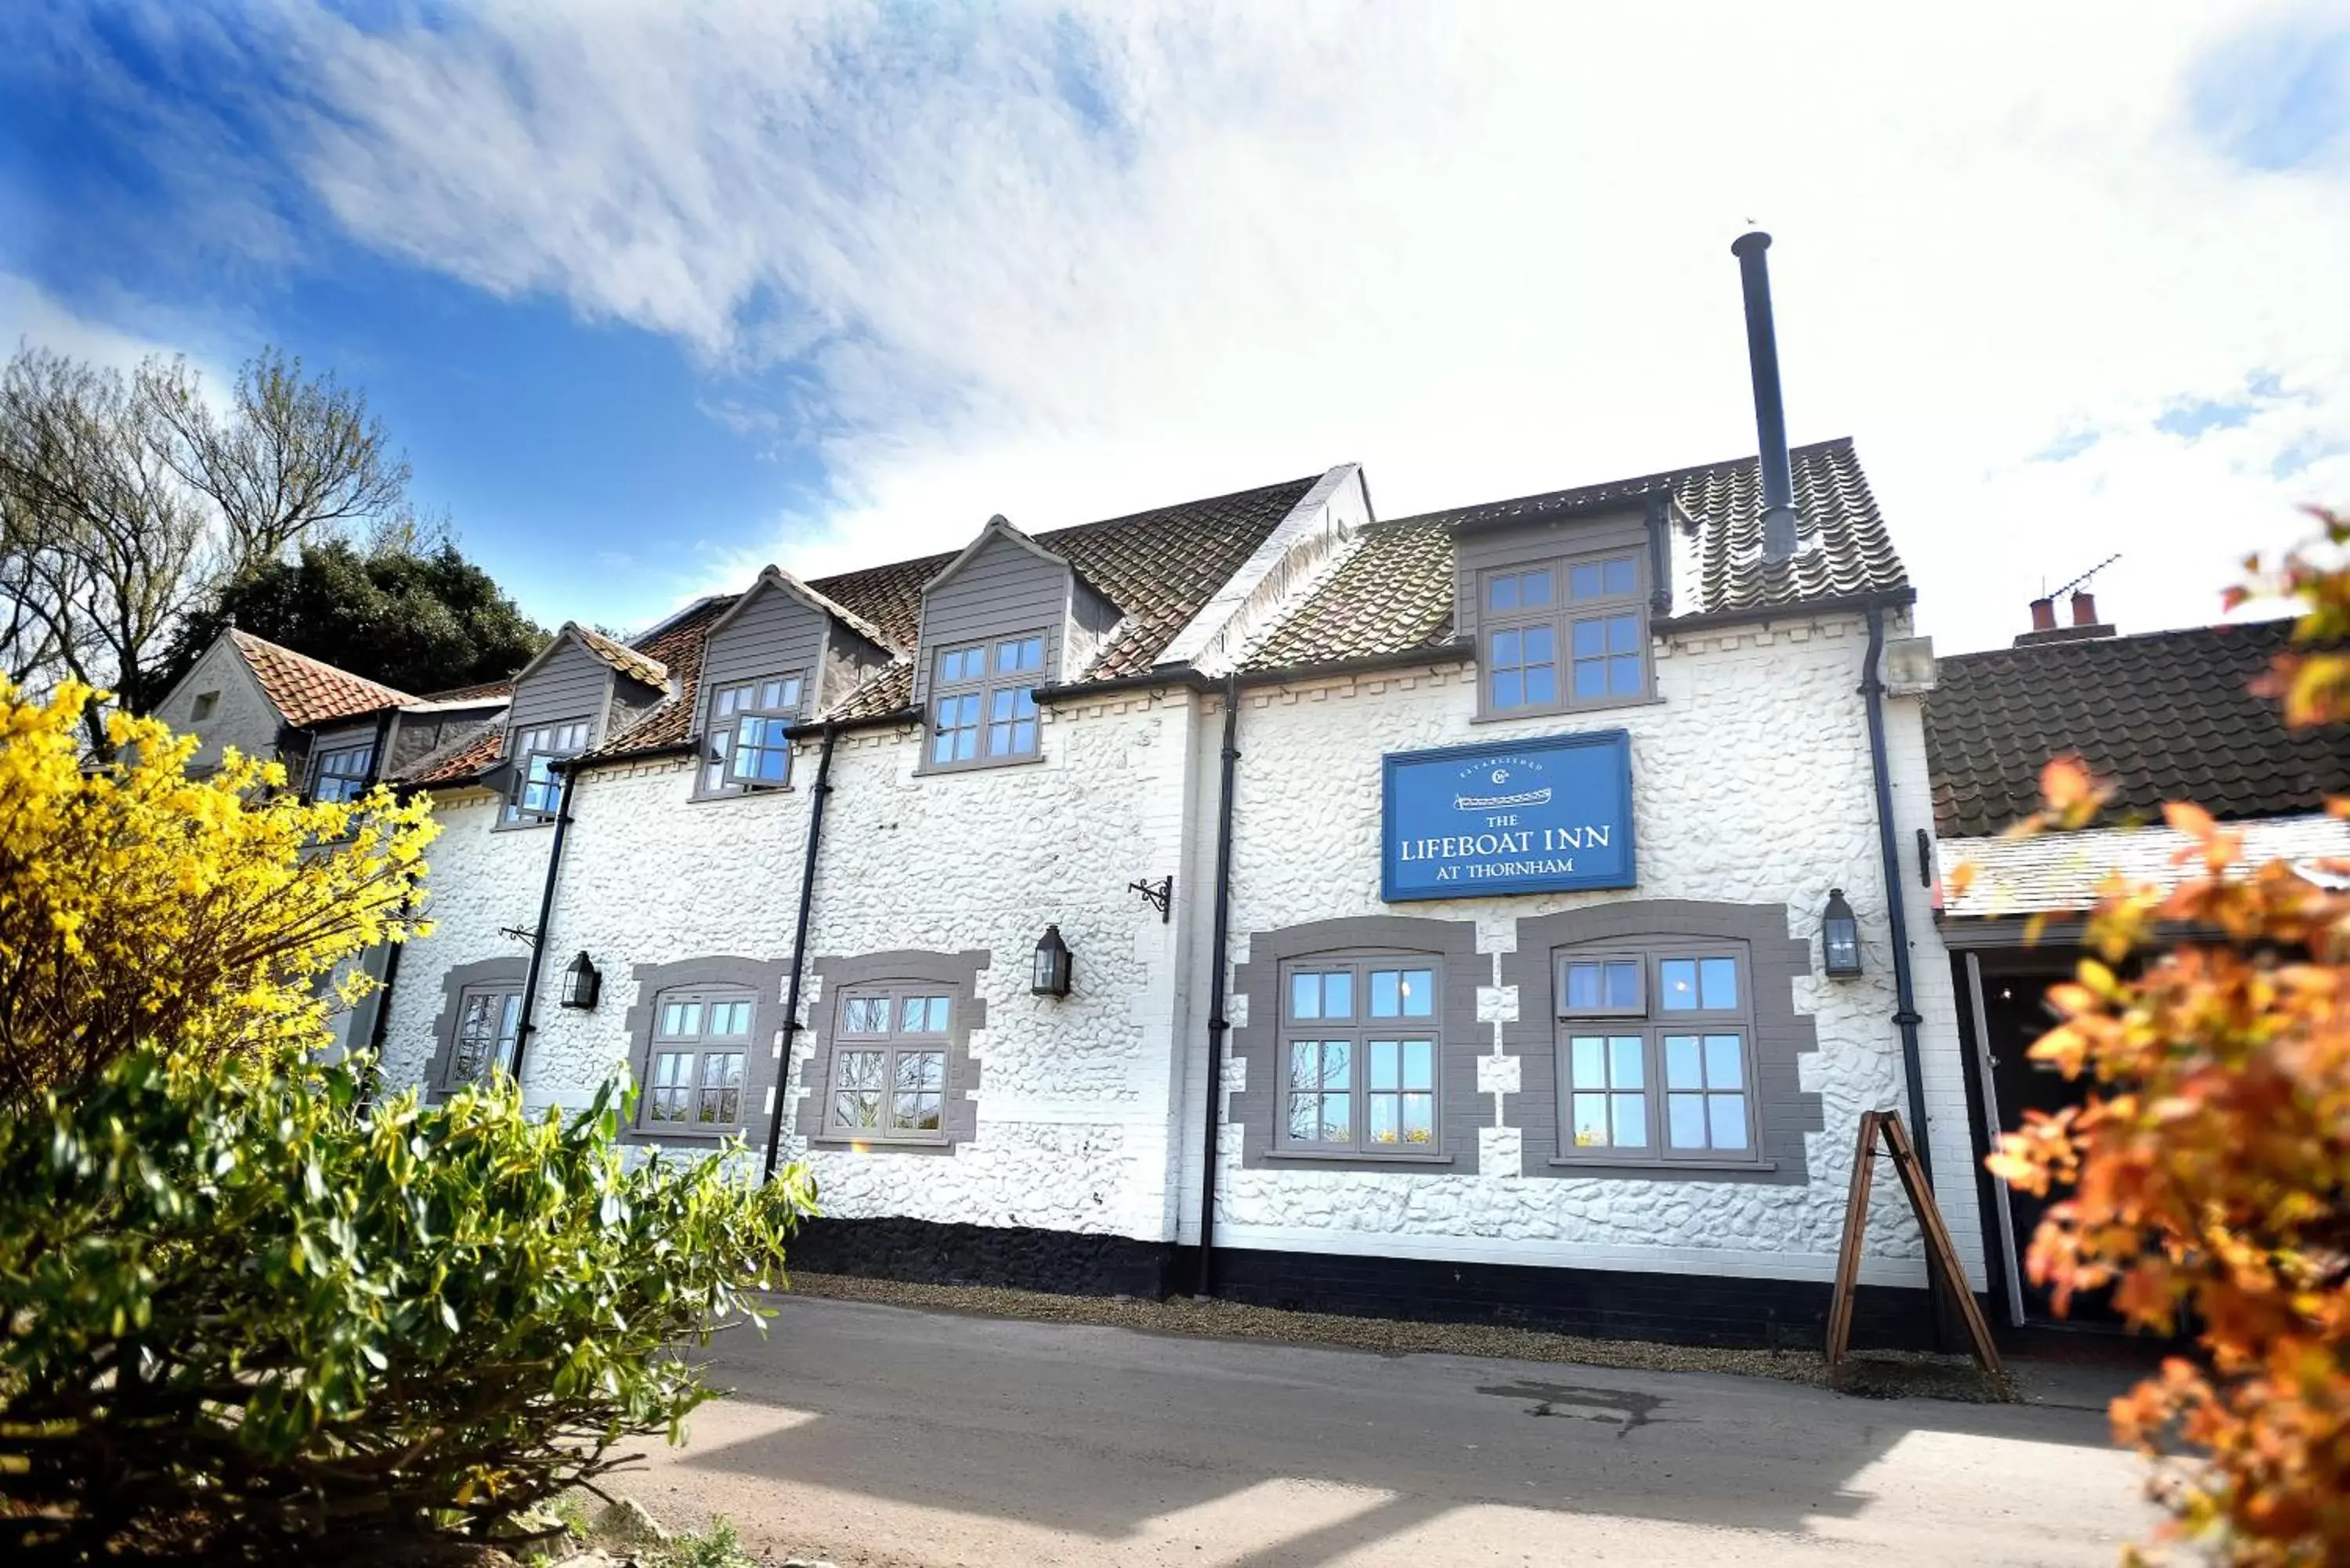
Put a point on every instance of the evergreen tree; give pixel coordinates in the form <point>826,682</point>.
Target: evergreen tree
<point>420,619</point>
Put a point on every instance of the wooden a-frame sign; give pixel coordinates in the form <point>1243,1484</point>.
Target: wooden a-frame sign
<point>1947,1270</point>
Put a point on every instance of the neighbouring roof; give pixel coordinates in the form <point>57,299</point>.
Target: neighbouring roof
<point>2060,872</point>
<point>2168,715</point>
<point>307,690</point>
<point>1393,593</point>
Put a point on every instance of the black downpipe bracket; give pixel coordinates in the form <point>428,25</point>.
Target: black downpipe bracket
<point>1905,993</point>
<point>523,1023</point>
<point>822,792</point>
<point>1219,1026</point>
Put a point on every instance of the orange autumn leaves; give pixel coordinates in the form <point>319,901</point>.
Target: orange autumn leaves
<point>2209,1163</point>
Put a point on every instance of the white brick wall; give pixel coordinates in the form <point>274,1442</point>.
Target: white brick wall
<point>1751,785</point>
<point>1074,1094</point>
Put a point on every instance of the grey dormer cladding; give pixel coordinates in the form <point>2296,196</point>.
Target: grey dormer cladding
<point>566,682</point>
<point>781,627</point>
<point>769,632</point>
<point>1005,583</point>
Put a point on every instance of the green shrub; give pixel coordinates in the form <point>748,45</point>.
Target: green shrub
<point>248,1301</point>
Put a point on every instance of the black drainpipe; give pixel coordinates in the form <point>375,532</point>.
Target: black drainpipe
<point>823,793</point>
<point>381,1024</point>
<point>1906,1016</point>
<point>378,763</point>
<point>1219,1026</point>
<point>523,1024</point>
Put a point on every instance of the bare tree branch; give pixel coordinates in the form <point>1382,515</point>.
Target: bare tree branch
<point>127,503</point>
<point>291,459</point>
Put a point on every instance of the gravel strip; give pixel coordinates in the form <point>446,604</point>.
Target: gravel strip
<point>1878,1373</point>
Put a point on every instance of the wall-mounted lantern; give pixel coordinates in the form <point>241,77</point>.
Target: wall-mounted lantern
<point>1840,936</point>
<point>1051,975</point>
<point>581,982</point>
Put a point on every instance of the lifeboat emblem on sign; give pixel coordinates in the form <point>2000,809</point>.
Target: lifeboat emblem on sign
<point>1506,799</point>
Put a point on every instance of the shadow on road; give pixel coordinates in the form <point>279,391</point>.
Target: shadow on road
<point>1115,1436</point>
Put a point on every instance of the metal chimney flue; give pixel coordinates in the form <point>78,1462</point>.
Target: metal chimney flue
<point>1769,411</point>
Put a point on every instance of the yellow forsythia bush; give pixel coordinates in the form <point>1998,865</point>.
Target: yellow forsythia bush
<point>203,918</point>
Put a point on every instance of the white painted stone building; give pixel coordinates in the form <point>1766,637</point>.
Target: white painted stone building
<point>1076,762</point>
<point>1503,913</point>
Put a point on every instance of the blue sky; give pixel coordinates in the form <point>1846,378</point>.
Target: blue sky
<point>651,295</point>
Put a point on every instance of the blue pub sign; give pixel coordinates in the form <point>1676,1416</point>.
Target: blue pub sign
<point>1548,815</point>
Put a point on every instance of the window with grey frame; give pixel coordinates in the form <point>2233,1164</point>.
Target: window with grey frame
<point>535,751</point>
<point>889,1066</point>
<point>482,1041</point>
<point>1656,1054</point>
<point>693,1071</point>
<point>339,773</point>
<point>749,745</point>
<point>1563,634</point>
<point>1360,1047</point>
<point>983,707</point>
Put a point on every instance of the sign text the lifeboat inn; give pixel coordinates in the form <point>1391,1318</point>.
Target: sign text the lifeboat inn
<point>1540,815</point>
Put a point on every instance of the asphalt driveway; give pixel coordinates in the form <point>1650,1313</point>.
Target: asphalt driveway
<point>878,1435</point>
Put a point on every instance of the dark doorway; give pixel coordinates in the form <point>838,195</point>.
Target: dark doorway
<point>2012,987</point>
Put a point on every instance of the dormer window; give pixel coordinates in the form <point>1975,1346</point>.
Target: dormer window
<point>537,791</point>
<point>983,708</point>
<point>1559,635</point>
<point>339,773</point>
<point>749,736</point>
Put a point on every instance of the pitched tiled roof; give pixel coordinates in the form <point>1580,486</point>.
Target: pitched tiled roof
<point>2164,716</point>
<point>1841,546</point>
<point>307,690</point>
<point>460,758</point>
<point>1393,593</point>
<point>632,662</point>
<point>890,691</point>
<point>481,690</point>
<point>1158,567</point>
<point>676,646</point>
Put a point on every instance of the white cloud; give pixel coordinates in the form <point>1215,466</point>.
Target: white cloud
<point>30,315</point>
<point>1482,249</point>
